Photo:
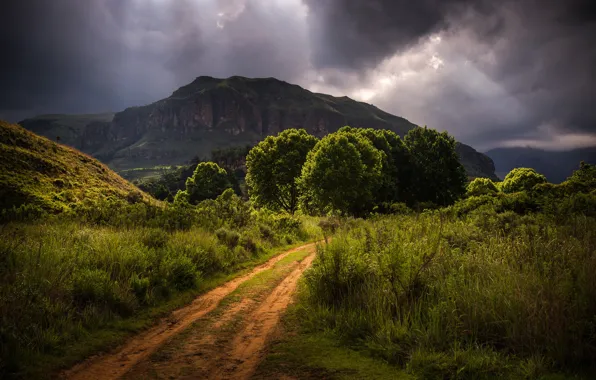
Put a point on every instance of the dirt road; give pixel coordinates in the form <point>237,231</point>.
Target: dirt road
<point>220,335</point>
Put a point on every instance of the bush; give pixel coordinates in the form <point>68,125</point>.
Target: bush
<point>227,237</point>
<point>521,179</point>
<point>140,287</point>
<point>134,197</point>
<point>181,272</point>
<point>91,286</point>
<point>248,244</point>
<point>487,296</point>
<point>287,224</point>
<point>156,239</point>
<point>481,186</point>
<point>400,209</point>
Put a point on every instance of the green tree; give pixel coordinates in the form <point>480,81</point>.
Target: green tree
<point>521,179</point>
<point>273,167</point>
<point>439,177</point>
<point>584,178</point>
<point>342,173</point>
<point>207,182</point>
<point>397,168</point>
<point>481,186</point>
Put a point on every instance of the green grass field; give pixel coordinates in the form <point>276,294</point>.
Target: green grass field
<point>436,296</point>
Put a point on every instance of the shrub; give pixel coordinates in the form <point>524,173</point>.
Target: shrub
<point>286,224</point>
<point>228,237</point>
<point>156,239</point>
<point>91,286</point>
<point>481,186</point>
<point>248,244</point>
<point>134,197</point>
<point>521,179</point>
<point>181,197</point>
<point>400,209</point>
<point>140,287</point>
<point>181,272</point>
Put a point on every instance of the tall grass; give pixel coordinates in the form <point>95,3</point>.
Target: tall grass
<point>488,295</point>
<point>63,278</point>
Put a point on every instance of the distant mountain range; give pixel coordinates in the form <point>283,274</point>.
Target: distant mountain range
<point>214,113</point>
<point>556,166</point>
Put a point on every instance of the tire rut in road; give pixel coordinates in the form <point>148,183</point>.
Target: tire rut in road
<point>116,364</point>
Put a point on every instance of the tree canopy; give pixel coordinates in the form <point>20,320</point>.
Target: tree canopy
<point>274,166</point>
<point>342,173</point>
<point>397,169</point>
<point>207,182</point>
<point>439,176</point>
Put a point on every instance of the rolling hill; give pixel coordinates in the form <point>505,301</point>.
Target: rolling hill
<point>37,171</point>
<point>212,113</point>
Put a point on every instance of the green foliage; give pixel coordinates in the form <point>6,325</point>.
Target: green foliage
<point>521,179</point>
<point>180,272</point>
<point>481,186</point>
<point>66,277</point>
<point>583,179</point>
<point>397,170</point>
<point>227,237</point>
<point>488,295</point>
<point>172,179</point>
<point>273,168</point>
<point>439,176</point>
<point>400,208</point>
<point>232,158</point>
<point>207,182</point>
<point>342,174</point>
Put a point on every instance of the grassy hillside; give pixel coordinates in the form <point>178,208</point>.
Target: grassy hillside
<point>38,172</point>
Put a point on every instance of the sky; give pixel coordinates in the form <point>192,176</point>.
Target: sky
<point>492,73</point>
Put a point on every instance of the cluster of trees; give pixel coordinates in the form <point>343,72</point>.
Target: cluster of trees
<point>166,186</point>
<point>354,171</point>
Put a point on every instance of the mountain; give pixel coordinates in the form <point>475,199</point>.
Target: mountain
<point>212,113</point>
<point>35,170</point>
<point>556,166</point>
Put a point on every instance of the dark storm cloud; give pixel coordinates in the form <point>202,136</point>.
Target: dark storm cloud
<point>97,55</point>
<point>545,56</point>
<point>509,70</point>
<point>39,40</point>
<point>356,34</point>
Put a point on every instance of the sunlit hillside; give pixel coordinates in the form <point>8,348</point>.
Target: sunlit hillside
<point>38,172</point>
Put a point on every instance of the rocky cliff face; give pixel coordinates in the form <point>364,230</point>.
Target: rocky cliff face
<point>213,113</point>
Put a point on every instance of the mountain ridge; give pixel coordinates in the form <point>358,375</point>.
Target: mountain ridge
<point>211,113</point>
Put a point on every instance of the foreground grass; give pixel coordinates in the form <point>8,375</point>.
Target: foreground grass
<point>303,354</point>
<point>68,289</point>
<point>488,296</point>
